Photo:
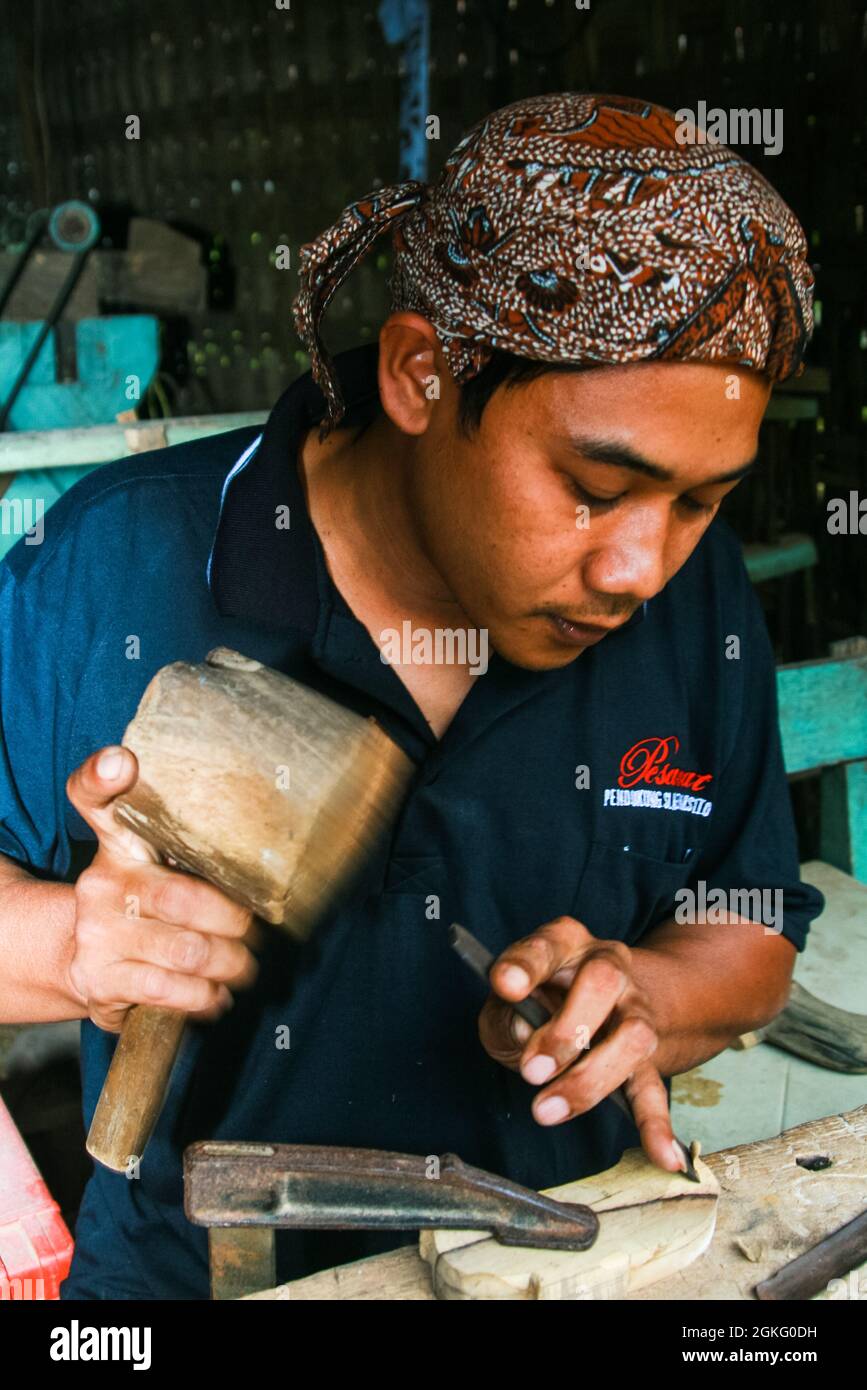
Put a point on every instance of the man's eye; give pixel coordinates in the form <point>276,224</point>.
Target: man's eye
<point>600,504</point>
<point>692,505</point>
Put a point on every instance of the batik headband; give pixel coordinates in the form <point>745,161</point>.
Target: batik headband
<point>577,229</point>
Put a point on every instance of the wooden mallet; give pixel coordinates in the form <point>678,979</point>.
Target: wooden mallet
<point>267,789</point>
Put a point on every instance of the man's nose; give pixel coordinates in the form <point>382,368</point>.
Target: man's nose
<point>630,565</point>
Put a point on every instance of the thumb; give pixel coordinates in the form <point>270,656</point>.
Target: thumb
<point>92,788</point>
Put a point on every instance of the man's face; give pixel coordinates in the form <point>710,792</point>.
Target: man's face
<point>579,496</point>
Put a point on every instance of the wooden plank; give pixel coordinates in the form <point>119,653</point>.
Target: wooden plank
<point>652,1223</point>
<point>41,282</point>
<point>818,1031</point>
<point>161,270</point>
<point>772,1209</point>
<point>848,646</point>
<point>23,449</point>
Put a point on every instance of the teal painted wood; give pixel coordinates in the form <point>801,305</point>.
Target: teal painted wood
<point>823,725</point>
<point>785,556</point>
<point>843,826</point>
<point>823,712</point>
<point>109,352</point>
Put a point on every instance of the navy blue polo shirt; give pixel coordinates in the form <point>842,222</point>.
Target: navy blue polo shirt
<point>598,790</point>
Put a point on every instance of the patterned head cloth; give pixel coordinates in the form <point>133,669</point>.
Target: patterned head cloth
<point>578,229</point>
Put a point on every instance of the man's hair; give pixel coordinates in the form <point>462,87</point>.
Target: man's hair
<point>507,369</point>
<point>503,369</point>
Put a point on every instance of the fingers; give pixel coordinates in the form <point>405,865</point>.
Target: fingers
<point>599,983</point>
<point>181,900</point>
<point>645,1090</point>
<point>92,787</point>
<point>497,1022</point>
<point>608,1065</point>
<point>176,948</point>
<point>145,934</point>
<point>125,961</point>
<point>218,952</point>
<point>131,982</point>
<point>647,1097</point>
<point>503,1033</point>
<point>592,985</point>
<point>561,954</point>
<point>538,957</point>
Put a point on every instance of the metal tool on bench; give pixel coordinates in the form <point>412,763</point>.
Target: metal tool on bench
<point>480,960</point>
<point>244,1192</point>
<point>264,787</point>
<point>808,1274</point>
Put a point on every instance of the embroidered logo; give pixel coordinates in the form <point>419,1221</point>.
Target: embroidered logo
<point>645,767</point>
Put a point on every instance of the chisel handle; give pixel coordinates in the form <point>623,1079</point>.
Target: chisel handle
<point>136,1086</point>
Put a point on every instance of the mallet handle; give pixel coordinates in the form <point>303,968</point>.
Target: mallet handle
<point>136,1085</point>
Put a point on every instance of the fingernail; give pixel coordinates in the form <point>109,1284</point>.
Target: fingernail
<point>538,1069</point>
<point>522,1031</point>
<point>679,1156</point>
<point>549,1111</point>
<point>516,978</point>
<point>109,765</point>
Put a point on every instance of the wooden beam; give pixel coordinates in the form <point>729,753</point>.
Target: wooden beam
<point>22,449</point>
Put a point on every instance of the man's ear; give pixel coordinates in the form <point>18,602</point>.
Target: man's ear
<point>411,370</point>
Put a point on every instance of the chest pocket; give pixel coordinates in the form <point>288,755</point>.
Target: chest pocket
<point>622,894</point>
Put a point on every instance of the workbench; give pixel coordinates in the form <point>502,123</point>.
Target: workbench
<point>771,1209</point>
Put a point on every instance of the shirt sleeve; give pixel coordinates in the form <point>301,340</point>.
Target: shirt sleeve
<point>752,842</point>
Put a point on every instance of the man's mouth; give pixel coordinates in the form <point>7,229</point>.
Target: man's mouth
<point>578,634</point>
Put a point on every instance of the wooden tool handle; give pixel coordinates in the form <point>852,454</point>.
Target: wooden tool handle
<point>136,1085</point>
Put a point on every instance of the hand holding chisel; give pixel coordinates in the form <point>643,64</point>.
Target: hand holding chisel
<point>480,960</point>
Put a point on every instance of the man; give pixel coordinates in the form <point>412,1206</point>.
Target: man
<point>588,317</point>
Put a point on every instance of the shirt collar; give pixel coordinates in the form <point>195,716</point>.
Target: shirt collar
<point>262,567</point>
